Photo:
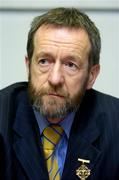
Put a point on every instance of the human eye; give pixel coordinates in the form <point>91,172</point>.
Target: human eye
<point>43,62</point>
<point>71,66</point>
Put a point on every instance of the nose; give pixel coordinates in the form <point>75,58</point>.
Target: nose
<point>56,77</point>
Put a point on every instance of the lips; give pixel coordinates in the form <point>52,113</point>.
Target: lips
<point>55,95</point>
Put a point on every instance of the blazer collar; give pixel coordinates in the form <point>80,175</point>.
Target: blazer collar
<point>27,143</point>
<point>84,138</point>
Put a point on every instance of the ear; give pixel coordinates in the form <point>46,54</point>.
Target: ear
<point>94,71</point>
<point>27,62</point>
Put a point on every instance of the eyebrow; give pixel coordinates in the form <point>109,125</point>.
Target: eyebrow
<point>44,54</point>
<point>74,58</point>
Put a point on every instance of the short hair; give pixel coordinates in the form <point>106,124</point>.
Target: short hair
<point>69,18</point>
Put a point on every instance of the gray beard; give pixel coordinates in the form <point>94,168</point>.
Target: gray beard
<point>60,112</point>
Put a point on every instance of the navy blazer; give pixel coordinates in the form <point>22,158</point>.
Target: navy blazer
<point>94,136</point>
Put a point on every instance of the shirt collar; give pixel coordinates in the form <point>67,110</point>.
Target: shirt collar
<point>66,123</point>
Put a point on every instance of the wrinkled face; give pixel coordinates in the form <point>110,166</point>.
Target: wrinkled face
<point>59,72</point>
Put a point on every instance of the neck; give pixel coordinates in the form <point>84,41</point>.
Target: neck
<point>54,120</point>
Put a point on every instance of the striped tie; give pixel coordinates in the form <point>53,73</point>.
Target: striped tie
<point>51,137</point>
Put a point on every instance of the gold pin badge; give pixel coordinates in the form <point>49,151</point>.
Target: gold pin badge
<point>83,172</point>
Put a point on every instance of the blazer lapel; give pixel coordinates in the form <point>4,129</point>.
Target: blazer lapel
<point>83,141</point>
<point>27,145</point>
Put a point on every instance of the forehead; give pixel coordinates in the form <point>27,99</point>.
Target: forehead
<point>62,37</point>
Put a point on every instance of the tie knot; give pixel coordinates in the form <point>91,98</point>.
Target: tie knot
<point>52,135</point>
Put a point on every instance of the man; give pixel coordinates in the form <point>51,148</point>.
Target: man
<point>62,60</point>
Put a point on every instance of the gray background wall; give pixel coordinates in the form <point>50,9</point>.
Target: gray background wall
<point>15,19</point>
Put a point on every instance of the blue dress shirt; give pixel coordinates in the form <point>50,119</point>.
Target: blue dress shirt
<point>61,148</point>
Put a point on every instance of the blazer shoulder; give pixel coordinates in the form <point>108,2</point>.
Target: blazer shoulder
<point>106,98</point>
<point>105,103</point>
<point>13,88</point>
<point>8,103</point>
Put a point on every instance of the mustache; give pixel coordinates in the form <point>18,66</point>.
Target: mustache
<point>55,91</point>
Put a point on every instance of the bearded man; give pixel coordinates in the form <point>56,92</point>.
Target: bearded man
<point>55,126</point>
